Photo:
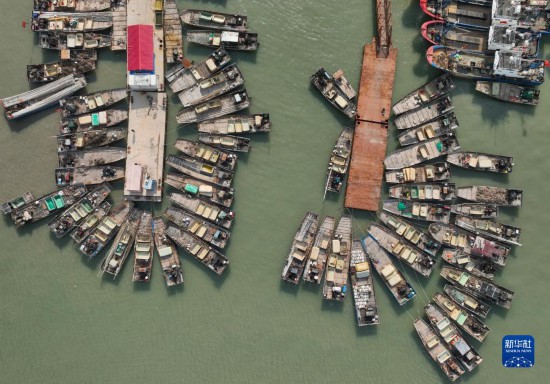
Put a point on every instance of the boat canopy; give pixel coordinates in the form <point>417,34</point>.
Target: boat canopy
<point>140,48</point>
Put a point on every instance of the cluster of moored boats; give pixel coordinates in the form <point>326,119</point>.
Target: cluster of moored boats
<point>494,42</point>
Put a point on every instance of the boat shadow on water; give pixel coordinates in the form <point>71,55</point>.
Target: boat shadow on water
<point>495,112</point>
<point>413,17</point>
<point>289,288</point>
<point>20,124</point>
<point>341,119</point>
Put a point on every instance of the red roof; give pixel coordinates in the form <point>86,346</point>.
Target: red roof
<point>140,48</point>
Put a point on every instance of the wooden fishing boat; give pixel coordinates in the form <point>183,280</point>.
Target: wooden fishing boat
<point>91,157</point>
<point>481,267</point>
<point>339,161</point>
<point>512,93</point>
<point>438,87</point>
<point>422,152</point>
<point>477,210</point>
<point>300,249</point>
<point>79,105</point>
<point>420,174</point>
<point>88,175</point>
<point>72,5</point>
<point>400,288</point>
<point>173,46</point>
<point>72,217</point>
<point>482,161</point>
<point>199,249</point>
<point>40,73</point>
<point>220,106</point>
<point>336,277</point>
<point>462,318</point>
<point>70,22</point>
<point>17,202</point>
<point>505,197</point>
<point>90,121</point>
<point>181,77</point>
<point>229,142</point>
<point>73,40</point>
<point>90,139</point>
<point>214,20</point>
<point>501,232</point>
<point>325,83</point>
<point>168,254</point>
<point>461,13</point>
<point>475,245</point>
<point>315,266</point>
<point>207,153</point>
<point>106,229</point>
<point>468,357</point>
<point>440,126</point>
<point>237,124</point>
<point>230,40</point>
<point>48,205</point>
<point>144,249</point>
<point>90,222</point>
<point>341,82</point>
<point>438,351</point>
<point>217,215</point>
<point>366,310</point>
<point>402,249</point>
<point>426,113</point>
<point>418,211</point>
<point>204,191</point>
<point>482,288</point>
<point>412,234</point>
<point>201,170</point>
<point>464,299</point>
<point>42,97</point>
<point>423,192</point>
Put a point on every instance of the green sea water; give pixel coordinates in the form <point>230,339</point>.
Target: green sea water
<point>59,323</point>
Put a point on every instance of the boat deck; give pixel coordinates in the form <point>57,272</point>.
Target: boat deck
<point>173,39</point>
<point>118,42</point>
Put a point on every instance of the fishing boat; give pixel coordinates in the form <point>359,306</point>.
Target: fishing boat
<point>220,106</point>
<point>420,174</point>
<point>446,330</point>
<point>524,14</point>
<point>181,77</point>
<point>482,161</point>
<point>144,249</point>
<point>426,113</point>
<point>214,20</point>
<point>512,93</point>
<point>17,202</point>
<point>237,124</point>
<point>70,22</point>
<point>418,211</point>
<point>423,192</point>
<point>48,205</point>
<point>339,161</point>
<point>72,217</point>
<point>201,170</point>
<point>228,79</point>
<point>457,12</point>
<point>204,191</point>
<point>400,288</point>
<point>366,310</point>
<point>92,121</point>
<point>40,73</point>
<point>422,152</point>
<point>326,84</point>
<point>468,301</point>
<point>90,222</point>
<point>440,126</point>
<point>72,40</point>
<point>199,249</point>
<point>482,288</point>
<point>481,267</point>
<point>475,245</point>
<point>477,210</point>
<point>122,245</point>
<point>315,266</point>
<point>88,175</point>
<point>72,5</point>
<point>173,39</point>
<point>90,157</point>
<point>217,215</point>
<point>168,254</point>
<point>90,139</point>
<point>42,97</point>
<point>336,277</point>
<point>462,318</point>
<point>341,82</point>
<point>412,234</point>
<point>501,232</point>
<point>229,142</point>
<point>79,105</point>
<point>106,229</point>
<point>438,351</point>
<point>207,153</point>
<point>300,249</point>
<point>402,249</point>
<point>438,87</point>
<point>230,40</point>
<point>504,197</point>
